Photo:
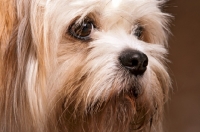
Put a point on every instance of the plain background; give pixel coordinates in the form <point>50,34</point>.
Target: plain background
<point>183,109</point>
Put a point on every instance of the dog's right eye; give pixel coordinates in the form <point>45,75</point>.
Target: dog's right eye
<point>82,30</point>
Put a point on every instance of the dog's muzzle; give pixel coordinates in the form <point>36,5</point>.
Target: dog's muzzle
<point>134,61</point>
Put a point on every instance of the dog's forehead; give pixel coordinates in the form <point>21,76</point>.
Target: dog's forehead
<point>110,9</point>
<point>106,8</point>
<point>128,5</point>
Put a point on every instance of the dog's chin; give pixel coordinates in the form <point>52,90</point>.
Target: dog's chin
<point>124,107</point>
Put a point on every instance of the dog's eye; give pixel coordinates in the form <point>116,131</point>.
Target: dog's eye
<point>82,30</point>
<point>138,31</point>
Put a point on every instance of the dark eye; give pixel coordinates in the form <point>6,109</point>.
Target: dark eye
<point>81,30</point>
<point>138,31</point>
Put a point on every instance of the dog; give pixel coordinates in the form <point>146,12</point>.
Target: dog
<point>83,65</point>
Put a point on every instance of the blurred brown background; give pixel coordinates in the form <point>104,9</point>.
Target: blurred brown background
<point>183,110</point>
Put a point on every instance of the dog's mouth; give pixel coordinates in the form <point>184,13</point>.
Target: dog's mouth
<point>130,94</point>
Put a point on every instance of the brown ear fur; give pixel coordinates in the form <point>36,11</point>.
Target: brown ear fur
<point>16,50</point>
<point>8,20</point>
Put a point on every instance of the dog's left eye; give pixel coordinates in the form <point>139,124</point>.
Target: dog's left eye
<point>82,30</point>
<point>138,31</point>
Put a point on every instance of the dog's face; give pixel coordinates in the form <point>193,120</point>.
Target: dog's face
<point>109,58</point>
<point>102,63</point>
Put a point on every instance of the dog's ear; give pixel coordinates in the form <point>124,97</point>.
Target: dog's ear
<point>16,64</point>
<point>7,21</point>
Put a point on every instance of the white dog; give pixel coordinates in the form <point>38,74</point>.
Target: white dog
<point>83,65</point>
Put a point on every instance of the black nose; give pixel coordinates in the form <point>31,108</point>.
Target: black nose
<point>135,61</point>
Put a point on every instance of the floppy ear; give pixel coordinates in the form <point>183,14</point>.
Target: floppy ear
<point>19,74</point>
<point>7,21</point>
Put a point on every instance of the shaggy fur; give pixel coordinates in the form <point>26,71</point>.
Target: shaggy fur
<point>51,81</point>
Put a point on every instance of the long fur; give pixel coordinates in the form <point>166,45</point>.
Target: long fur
<point>49,81</point>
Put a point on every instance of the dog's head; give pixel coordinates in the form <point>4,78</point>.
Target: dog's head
<point>109,59</point>
<point>100,63</point>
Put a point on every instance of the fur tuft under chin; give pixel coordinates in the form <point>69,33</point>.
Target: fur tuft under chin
<point>53,81</point>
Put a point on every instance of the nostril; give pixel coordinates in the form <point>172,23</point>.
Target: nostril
<point>145,63</point>
<point>135,62</point>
